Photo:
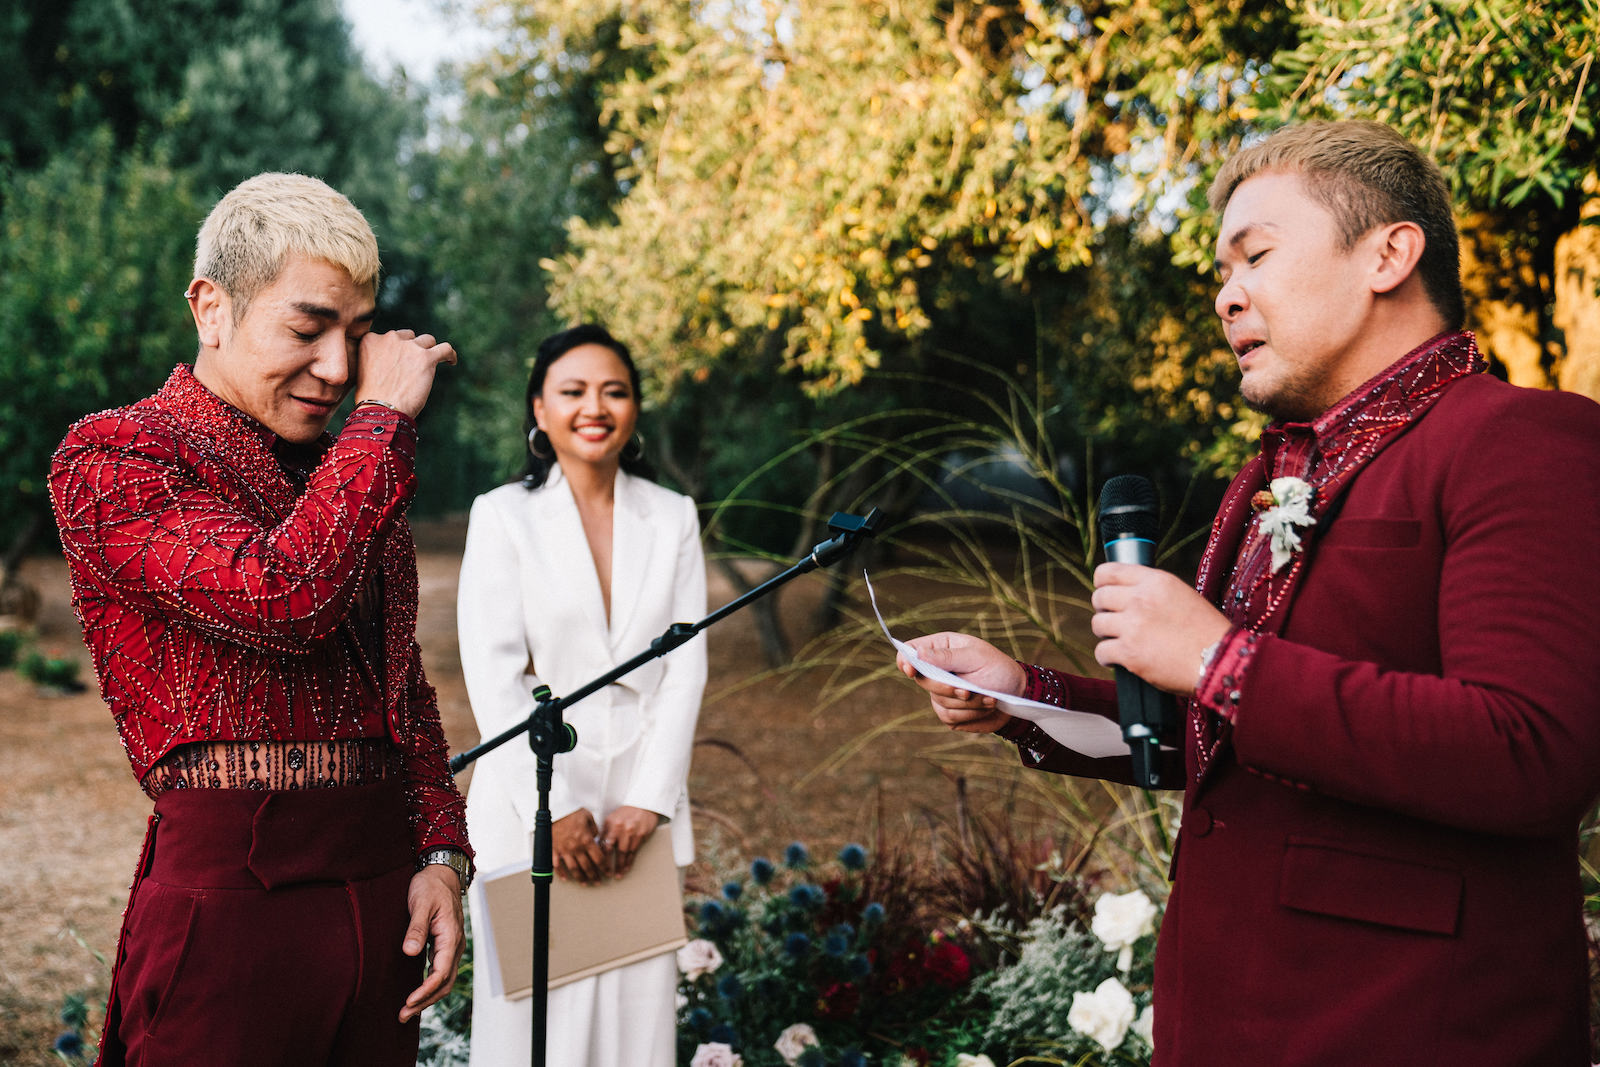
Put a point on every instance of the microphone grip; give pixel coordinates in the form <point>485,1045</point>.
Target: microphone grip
<point>1144,712</point>
<point>1135,550</point>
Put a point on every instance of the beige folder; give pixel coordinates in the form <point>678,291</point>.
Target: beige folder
<point>593,928</point>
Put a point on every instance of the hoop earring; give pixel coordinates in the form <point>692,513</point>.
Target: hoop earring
<point>535,436</point>
<point>633,451</point>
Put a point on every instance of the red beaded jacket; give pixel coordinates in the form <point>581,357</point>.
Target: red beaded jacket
<point>217,599</point>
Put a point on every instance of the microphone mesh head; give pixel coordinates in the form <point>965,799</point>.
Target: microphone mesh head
<point>1128,509</point>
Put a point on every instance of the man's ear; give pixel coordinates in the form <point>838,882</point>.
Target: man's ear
<point>212,309</point>
<point>1399,248</point>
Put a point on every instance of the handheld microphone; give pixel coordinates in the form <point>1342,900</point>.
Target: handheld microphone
<point>1129,522</point>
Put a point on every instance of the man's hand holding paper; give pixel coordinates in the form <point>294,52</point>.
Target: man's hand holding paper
<point>975,688</point>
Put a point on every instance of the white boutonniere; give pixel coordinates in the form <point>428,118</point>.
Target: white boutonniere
<point>1285,508</point>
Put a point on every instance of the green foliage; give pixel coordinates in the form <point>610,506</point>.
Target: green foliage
<point>822,194</point>
<point>50,671</point>
<point>821,948</point>
<point>95,253</point>
<point>1033,998</point>
<point>70,1045</point>
<point>12,642</point>
<point>487,203</point>
<point>1503,93</point>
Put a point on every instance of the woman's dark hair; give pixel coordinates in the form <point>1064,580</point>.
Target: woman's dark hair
<point>552,348</point>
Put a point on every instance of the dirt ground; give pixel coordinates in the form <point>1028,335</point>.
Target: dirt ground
<point>71,816</point>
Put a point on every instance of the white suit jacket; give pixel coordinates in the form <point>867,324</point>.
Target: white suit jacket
<point>529,610</point>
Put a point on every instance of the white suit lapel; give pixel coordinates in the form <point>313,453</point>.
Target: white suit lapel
<point>632,543</point>
<point>568,565</point>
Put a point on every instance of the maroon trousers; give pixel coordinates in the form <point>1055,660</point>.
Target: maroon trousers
<point>265,929</point>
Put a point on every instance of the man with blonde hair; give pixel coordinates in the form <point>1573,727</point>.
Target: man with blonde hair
<point>247,588</point>
<point>1389,660</point>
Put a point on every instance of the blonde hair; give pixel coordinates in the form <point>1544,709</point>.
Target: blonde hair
<point>1367,176</point>
<point>263,220</point>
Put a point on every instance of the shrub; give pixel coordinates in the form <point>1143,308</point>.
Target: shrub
<point>51,671</point>
<point>804,965</point>
<point>12,642</point>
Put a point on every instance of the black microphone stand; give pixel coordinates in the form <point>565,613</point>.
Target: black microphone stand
<point>549,736</point>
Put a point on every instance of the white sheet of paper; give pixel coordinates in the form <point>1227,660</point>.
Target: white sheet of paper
<point>1080,731</point>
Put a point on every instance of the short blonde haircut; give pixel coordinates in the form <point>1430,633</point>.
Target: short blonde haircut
<point>1367,176</point>
<point>253,229</point>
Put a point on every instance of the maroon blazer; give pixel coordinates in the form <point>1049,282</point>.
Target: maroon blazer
<point>1381,865</point>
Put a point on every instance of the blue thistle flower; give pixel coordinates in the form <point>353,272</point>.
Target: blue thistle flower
<point>69,1044</point>
<point>732,890</point>
<point>797,945</point>
<point>725,1034</point>
<point>698,1019</point>
<point>711,913</point>
<point>872,914</point>
<point>796,856</point>
<point>860,965</point>
<point>807,896</point>
<point>852,1058</point>
<point>762,870</point>
<point>853,856</point>
<point>730,988</point>
<point>838,940</point>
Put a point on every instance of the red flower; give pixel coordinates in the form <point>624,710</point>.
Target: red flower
<point>907,969</point>
<point>947,964</point>
<point>839,1001</point>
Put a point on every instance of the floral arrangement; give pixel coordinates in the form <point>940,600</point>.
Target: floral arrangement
<point>1080,996</point>
<point>789,968</point>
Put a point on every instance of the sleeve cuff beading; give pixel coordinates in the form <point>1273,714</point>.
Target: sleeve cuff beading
<point>392,428</point>
<point>1222,686</point>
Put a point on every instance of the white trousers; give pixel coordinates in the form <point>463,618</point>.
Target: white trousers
<point>620,1018</point>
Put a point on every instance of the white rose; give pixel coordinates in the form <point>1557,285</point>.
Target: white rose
<point>1145,1025</point>
<point>698,957</point>
<point>793,1041</point>
<point>1104,1015</point>
<point>966,1060</point>
<point>1120,919</point>
<point>716,1054</point>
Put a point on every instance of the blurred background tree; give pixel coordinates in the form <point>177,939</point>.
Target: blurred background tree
<point>799,212</point>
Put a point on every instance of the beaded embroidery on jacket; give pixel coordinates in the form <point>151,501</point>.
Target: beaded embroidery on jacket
<point>1327,453</point>
<point>216,601</point>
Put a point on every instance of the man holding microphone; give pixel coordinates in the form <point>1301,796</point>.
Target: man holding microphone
<point>1389,668</point>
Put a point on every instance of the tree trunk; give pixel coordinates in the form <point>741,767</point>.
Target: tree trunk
<point>1577,295</point>
<point>19,600</point>
<point>775,648</point>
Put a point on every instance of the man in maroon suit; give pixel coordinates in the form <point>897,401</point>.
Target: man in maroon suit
<point>248,590</point>
<point>1391,664</point>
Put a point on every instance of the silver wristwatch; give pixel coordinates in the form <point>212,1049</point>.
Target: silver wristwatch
<point>453,858</point>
